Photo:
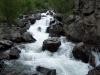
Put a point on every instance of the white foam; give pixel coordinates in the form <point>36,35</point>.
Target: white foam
<point>61,61</point>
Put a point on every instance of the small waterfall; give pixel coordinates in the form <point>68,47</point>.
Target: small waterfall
<point>33,56</point>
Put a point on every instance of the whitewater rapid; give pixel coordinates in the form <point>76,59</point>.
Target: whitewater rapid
<point>62,60</point>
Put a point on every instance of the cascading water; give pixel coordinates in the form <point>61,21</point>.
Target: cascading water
<point>33,56</point>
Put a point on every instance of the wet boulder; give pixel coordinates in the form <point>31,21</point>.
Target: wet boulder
<point>28,38</point>
<point>24,21</point>
<point>46,71</point>
<point>1,63</point>
<point>95,71</point>
<point>47,30</point>
<point>14,53</point>
<point>83,52</point>
<point>5,44</point>
<point>17,37</point>
<point>56,29</point>
<point>51,44</point>
<point>52,22</point>
<point>4,55</point>
<point>80,29</point>
<point>32,19</point>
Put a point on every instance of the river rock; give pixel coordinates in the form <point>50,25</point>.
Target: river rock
<point>4,55</point>
<point>51,44</point>
<point>5,45</point>
<point>1,65</point>
<point>27,37</point>
<point>56,29</point>
<point>82,52</point>
<point>95,71</point>
<point>32,20</point>
<point>14,53</point>
<point>46,71</point>
<point>52,22</point>
<point>16,37</point>
<point>85,23</point>
<point>24,21</point>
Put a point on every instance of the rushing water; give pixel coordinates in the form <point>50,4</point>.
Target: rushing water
<point>32,55</point>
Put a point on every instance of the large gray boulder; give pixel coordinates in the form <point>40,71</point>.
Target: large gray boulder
<point>84,25</point>
<point>79,29</point>
<point>28,38</point>
<point>17,37</point>
<point>10,54</point>
<point>52,44</point>
<point>14,53</point>
<point>4,55</point>
<point>5,45</point>
<point>83,52</point>
<point>55,29</point>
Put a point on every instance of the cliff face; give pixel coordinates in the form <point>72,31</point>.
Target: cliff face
<point>85,24</point>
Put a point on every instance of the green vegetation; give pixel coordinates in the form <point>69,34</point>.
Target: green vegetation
<point>61,6</point>
<point>11,9</point>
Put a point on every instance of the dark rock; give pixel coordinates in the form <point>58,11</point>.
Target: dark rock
<point>88,7</point>
<point>82,29</point>
<point>24,21</point>
<point>84,7</point>
<point>27,37</point>
<point>85,23</point>
<point>83,52</point>
<point>14,53</point>
<point>70,19</point>
<point>4,55</point>
<point>5,45</point>
<point>37,16</point>
<point>46,71</point>
<point>95,71</point>
<point>51,44</point>
<point>52,22</point>
<point>56,29</point>
<point>47,30</point>
<point>32,20</point>
<point>74,30</point>
<point>58,17</point>
<point>1,65</point>
<point>16,37</point>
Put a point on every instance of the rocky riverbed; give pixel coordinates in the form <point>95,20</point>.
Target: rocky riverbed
<point>45,44</point>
